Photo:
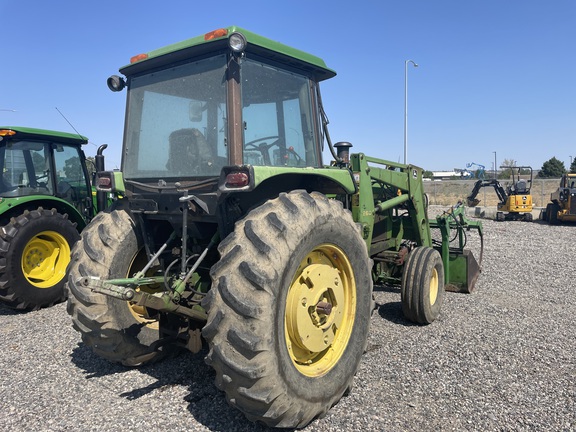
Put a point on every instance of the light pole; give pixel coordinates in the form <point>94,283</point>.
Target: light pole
<point>406,108</point>
<point>495,165</point>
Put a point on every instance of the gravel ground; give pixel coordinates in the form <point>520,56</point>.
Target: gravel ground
<point>502,358</point>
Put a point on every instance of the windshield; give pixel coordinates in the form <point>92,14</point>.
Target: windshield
<point>25,169</point>
<point>42,168</point>
<point>277,116</point>
<point>176,122</point>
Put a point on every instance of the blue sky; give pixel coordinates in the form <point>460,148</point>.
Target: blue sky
<point>493,76</point>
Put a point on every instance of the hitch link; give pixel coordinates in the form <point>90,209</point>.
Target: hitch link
<point>102,287</point>
<point>162,302</point>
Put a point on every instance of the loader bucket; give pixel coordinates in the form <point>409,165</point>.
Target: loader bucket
<point>462,272</point>
<point>461,269</point>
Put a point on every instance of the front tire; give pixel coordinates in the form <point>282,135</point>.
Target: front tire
<point>110,248</point>
<point>34,253</point>
<point>422,289</point>
<point>553,217</point>
<point>289,309</point>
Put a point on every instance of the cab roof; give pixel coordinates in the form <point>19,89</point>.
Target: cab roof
<point>218,40</point>
<point>42,134</point>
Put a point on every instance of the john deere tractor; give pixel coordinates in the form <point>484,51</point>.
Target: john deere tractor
<point>233,233</point>
<point>45,201</point>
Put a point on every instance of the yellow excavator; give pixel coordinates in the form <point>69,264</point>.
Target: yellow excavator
<point>515,201</point>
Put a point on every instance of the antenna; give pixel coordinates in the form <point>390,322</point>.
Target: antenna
<point>67,121</point>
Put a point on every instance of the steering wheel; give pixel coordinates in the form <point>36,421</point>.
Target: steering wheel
<point>263,146</point>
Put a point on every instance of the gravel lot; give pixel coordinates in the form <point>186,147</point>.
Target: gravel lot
<point>503,358</point>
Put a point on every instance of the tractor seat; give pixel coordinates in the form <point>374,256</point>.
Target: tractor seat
<point>187,147</point>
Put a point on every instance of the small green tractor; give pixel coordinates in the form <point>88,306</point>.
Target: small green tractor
<point>45,201</point>
<point>233,234</point>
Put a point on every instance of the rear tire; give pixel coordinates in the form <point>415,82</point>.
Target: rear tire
<point>111,247</point>
<point>34,253</point>
<point>422,289</point>
<point>281,356</point>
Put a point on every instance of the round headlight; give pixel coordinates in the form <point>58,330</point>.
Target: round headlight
<point>116,83</point>
<point>237,42</point>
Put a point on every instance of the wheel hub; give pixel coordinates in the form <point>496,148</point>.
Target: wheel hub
<point>433,286</point>
<point>314,315</point>
<point>45,258</point>
<point>320,308</point>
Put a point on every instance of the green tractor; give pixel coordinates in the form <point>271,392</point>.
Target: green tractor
<point>233,233</point>
<point>45,201</point>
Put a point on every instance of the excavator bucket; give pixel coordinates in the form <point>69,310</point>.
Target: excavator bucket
<point>472,202</point>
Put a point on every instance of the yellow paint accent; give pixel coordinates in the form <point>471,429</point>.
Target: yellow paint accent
<point>45,259</point>
<point>316,340</point>
<point>140,313</point>
<point>433,286</point>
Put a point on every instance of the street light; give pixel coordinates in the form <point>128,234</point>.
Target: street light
<point>406,108</point>
<point>494,165</point>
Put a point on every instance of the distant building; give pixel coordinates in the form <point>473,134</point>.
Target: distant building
<point>446,175</point>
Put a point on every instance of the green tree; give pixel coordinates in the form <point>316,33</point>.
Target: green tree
<point>552,168</point>
<point>573,166</point>
<point>72,168</point>
<point>427,174</point>
<point>506,173</point>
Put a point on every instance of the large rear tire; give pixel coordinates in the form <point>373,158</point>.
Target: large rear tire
<point>111,247</point>
<point>289,309</point>
<point>34,253</point>
<point>422,289</point>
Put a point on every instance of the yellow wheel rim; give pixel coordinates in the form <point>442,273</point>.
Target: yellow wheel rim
<point>320,310</point>
<point>45,259</point>
<point>140,313</point>
<point>433,286</point>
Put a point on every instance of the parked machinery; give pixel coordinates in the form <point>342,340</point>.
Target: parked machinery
<point>562,207</point>
<point>232,231</point>
<point>515,202</point>
<point>45,201</point>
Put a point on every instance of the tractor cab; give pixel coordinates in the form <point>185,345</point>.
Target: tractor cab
<point>40,164</point>
<point>229,97</point>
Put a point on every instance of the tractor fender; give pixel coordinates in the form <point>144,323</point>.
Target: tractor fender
<point>10,207</point>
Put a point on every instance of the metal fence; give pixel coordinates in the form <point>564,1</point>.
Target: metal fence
<point>449,192</point>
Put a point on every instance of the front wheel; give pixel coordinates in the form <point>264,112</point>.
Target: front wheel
<point>289,309</point>
<point>422,289</point>
<point>553,216</point>
<point>34,253</point>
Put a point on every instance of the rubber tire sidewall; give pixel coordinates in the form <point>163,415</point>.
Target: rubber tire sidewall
<point>29,225</point>
<point>246,308</point>
<point>415,287</point>
<point>316,388</point>
<point>106,250</point>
